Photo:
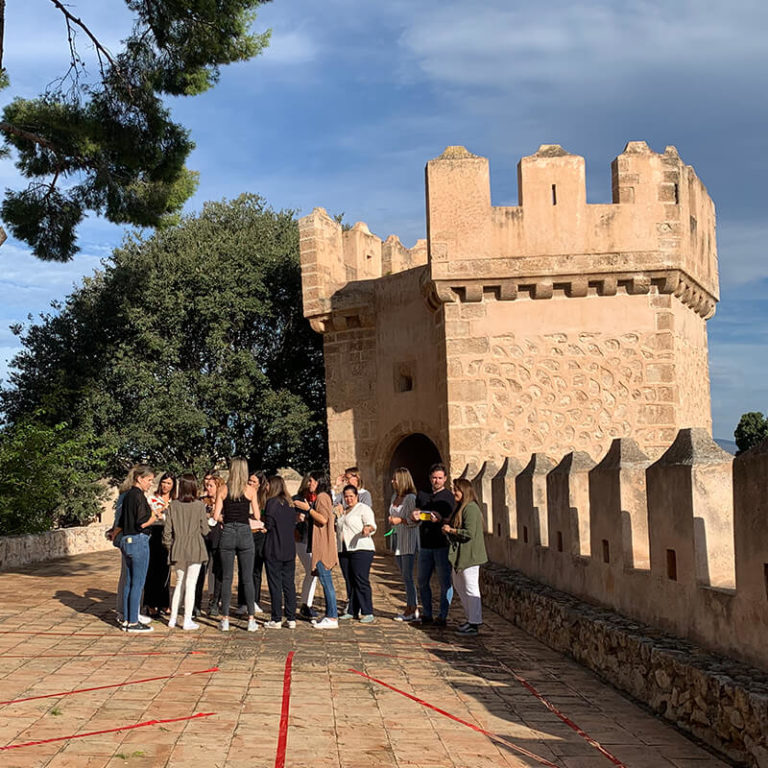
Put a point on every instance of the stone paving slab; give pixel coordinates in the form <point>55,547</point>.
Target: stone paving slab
<point>57,634</point>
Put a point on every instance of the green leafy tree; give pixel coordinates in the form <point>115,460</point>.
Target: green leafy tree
<point>100,139</point>
<point>189,347</point>
<point>48,477</point>
<point>751,430</point>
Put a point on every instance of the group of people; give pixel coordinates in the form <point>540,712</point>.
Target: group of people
<point>251,518</point>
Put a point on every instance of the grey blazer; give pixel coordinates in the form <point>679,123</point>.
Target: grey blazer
<point>186,524</point>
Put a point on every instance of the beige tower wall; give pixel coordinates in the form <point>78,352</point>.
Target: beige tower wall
<point>572,374</point>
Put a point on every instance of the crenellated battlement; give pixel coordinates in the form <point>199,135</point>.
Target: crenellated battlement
<point>658,234</point>
<point>333,257</point>
<point>680,543</point>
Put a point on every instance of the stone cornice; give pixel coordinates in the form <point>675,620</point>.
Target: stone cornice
<point>674,281</point>
<point>349,318</point>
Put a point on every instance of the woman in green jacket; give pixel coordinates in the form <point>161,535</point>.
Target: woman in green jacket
<point>466,553</point>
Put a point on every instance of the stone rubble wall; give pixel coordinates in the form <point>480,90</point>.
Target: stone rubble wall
<point>17,551</point>
<point>720,701</point>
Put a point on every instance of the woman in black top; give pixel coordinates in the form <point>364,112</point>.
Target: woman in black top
<point>157,588</point>
<point>135,517</point>
<point>280,553</point>
<point>236,505</point>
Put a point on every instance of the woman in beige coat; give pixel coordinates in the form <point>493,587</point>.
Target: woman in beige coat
<point>186,524</point>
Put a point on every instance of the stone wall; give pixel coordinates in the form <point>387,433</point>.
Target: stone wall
<point>680,543</point>
<point>722,702</point>
<point>18,551</point>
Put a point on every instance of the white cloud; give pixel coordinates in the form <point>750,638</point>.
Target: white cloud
<point>495,45</point>
<point>289,48</point>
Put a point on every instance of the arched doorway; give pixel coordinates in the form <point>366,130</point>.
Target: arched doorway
<point>418,453</point>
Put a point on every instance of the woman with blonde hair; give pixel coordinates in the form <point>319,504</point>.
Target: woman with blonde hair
<point>406,537</point>
<point>466,553</point>
<point>236,505</point>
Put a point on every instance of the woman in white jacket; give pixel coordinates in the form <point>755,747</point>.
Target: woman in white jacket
<point>355,528</point>
<point>406,535</point>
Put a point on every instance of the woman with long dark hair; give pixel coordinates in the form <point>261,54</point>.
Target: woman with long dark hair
<point>303,501</point>
<point>260,483</point>
<point>466,553</point>
<point>186,526</point>
<point>236,505</point>
<point>280,553</point>
<point>325,555</point>
<point>157,590</point>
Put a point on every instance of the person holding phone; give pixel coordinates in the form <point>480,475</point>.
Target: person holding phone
<point>432,511</point>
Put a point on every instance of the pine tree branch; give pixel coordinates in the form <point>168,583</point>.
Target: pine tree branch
<point>101,50</point>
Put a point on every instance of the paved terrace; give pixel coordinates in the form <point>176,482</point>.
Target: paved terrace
<point>291,697</point>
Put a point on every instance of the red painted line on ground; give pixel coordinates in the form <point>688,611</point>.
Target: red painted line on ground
<point>101,655</point>
<point>282,738</point>
<point>555,711</point>
<point>113,685</point>
<point>108,730</point>
<point>493,736</point>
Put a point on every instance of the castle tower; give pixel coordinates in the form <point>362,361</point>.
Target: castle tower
<point>549,327</point>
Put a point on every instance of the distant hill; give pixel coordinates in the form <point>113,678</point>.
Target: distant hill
<point>727,445</point>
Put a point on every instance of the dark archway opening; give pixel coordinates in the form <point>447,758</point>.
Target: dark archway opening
<point>418,453</point>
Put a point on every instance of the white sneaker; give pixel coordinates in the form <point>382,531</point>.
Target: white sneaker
<point>272,625</point>
<point>327,623</point>
<point>190,625</point>
<point>171,623</point>
<point>144,619</point>
<point>290,624</point>
<point>252,625</point>
<point>224,625</point>
<point>258,609</point>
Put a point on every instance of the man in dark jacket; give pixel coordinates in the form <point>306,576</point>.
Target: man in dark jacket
<point>433,554</point>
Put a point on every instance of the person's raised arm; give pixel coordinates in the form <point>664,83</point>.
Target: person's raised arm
<point>323,510</point>
<point>218,505</point>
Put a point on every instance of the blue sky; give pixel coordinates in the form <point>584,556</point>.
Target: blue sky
<point>352,98</point>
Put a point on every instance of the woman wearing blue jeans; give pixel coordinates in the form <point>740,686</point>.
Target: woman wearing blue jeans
<point>325,554</point>
<point>406,537</point>
<point>135,517</point>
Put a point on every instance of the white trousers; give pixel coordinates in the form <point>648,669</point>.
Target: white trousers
<point>466,584</point>
<point>186,583</point>
<point>309,584</point>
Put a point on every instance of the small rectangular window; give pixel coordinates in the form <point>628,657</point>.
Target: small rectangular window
<point>498,529</point>
<point>765,577</point>
<point>525,534</point>
<point>554,194</point>
<point>671,565</point>
<point>559,541</point>
<point>606,552</point>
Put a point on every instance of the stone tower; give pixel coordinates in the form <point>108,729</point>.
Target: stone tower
<point>550,326</point>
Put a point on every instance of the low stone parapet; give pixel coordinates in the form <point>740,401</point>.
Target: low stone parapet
<point>720,701</point>
<point>16,551</point>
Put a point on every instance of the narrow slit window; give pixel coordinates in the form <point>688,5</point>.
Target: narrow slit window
<point>765,578</point>
<point>554,194</point>
<point>671,565</point>
<point>606,551</point>
<point>677,194</point>
<point>525,534</point>
<point>559,541</point>
<point>498,529</point>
